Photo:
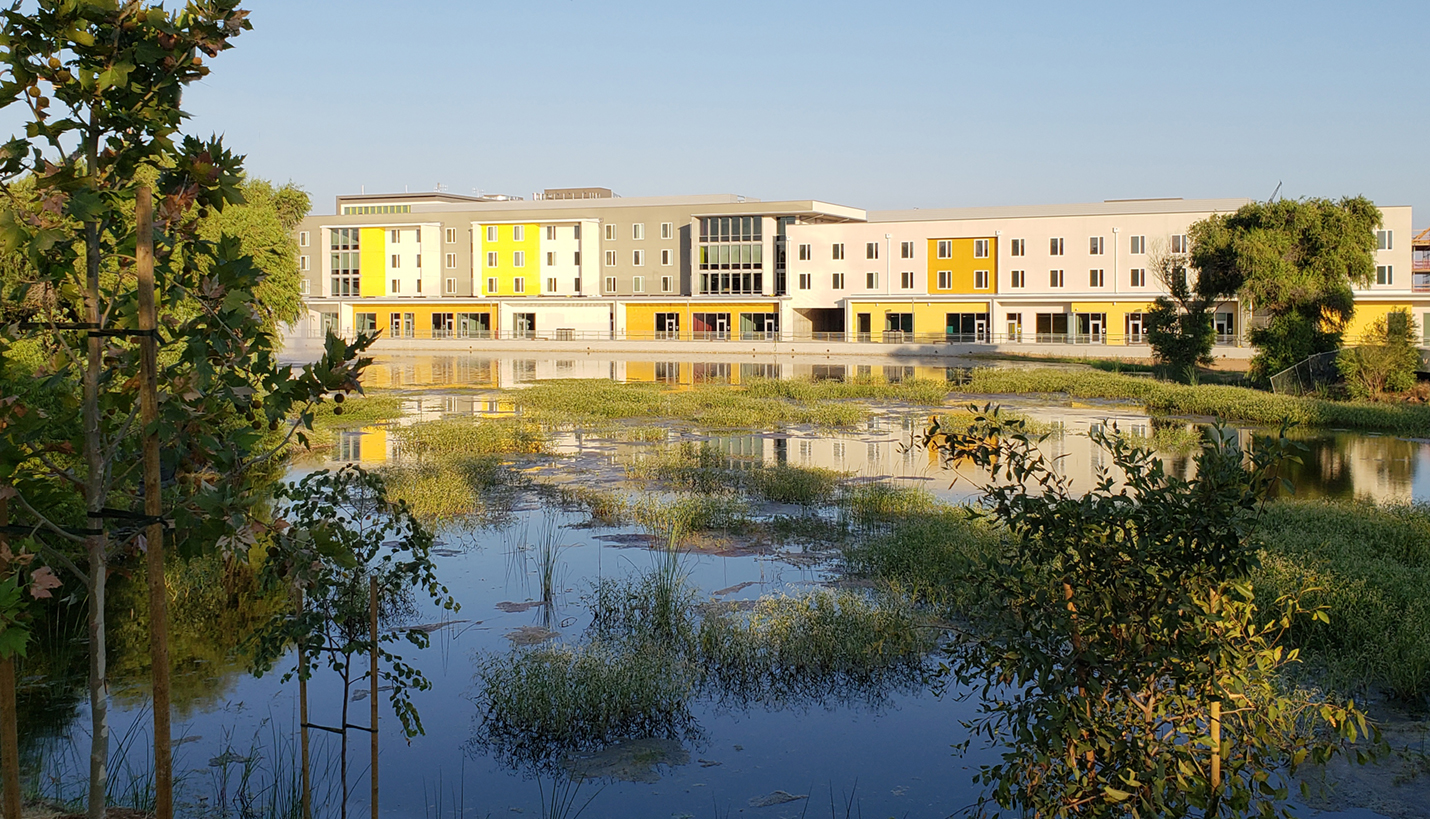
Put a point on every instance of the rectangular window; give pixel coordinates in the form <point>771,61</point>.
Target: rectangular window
<point>451,285</point>
<point>1094,246</point>
<point>906,280</point>
<point>396,236</point>
<point>945,249</point>
<point>1018,278</point>
<point>666,284</point>
<point>395,261</point>
<point>610,258</point>
<point>550,258</point>
<point>491,233</point>
<point>551,284</point>
<point>638,258</point>
<point>491,287</point>
<point>805,281</point>
<point>667,230</point>
<point>638,230</point>
<point>419,286</point>
<point>805,253</point>
<point>491,258</point>
<point>1055,278</point>
<point>610,284</point>
<point>1179,243</point>
<point>1385,240</point>
<point>1055,247</point>
<point>451,261</point>
<point>980,248</point>
<point>518,285</point>
<point>871,280</point>
<point>302,262</point>
<point>1384,275</point>
<point>871,250</point>
<point>838,252</point>
<point>945,280</point>
<point>1019,247</point>
<point>665,257</point>
<point>576,258</point>
<point>518,233</point>
<point>306,287</point>
<point>1139,245</point>
<point>419,259</point>
<point>518,258</point>
<point>1139,277</point>
<point>396,286</point>
<point>1094,278</point>
<point>550,233</point>
<point>837,281</point>
<point>638,284</point>
<point>451,236</point>
<point>906,250</point>
<point>610,233</point>
<point>980,280</point>
<point>302,238</point>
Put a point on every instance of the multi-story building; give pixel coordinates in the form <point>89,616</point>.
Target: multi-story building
<point>580,263</point>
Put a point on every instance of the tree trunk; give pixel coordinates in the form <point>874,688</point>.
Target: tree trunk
<point>9,719</point>
<point>154,505</point>
<point>343,763</point>
<point>96,544</point>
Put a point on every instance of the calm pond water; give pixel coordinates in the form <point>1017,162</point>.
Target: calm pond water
<point>886,750</point>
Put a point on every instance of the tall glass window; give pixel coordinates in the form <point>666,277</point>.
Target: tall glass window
<point>345,262</point>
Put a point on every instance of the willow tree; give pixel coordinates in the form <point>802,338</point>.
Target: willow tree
<point>1294,262</point>
<point>99,83</point>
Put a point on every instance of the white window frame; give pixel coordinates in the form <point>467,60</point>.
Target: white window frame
<point>1055,279</point>
<point>610,232</point>
<point>1096,277</point>
<point>1018,247</point>
<point>550,233</point>
<point>518,258</point>
<point>871,280</point>
<point>980,280</point>
<point>906,250</point>
<point>638,231</point>
<point>945,280</point>
<point>550,258</point>
<point>638,284</point>
<point>667,284</point>
<point>492,285</point>
<point>836,281</point>
<point>871,250</point>
<point>491,233</point>
<point>945,248</point>
<point>306,287</point>
<point>638,258</point>
<point>1055,246</point>
<point>806,252</point>
<point>1385,240</point>
<point>419,287</point>
<point>396,286</point>
<point>980,248</point>
<point>518,284</point>
<point>665,257</point>
<point>805,281</point>
<point>1018,279</point>
<point>450,234</point>
<point>667,230</point>
<point>610,258</point>
<point>1138,245</point>
<point>837,251</point>
<point>551,284</point>
<point>395,262</point>
<point>1385,274</point>
<point>302,238</point>
<point>1139,277</point>
<point>1095,245</point>
<point>451,285</point>
<point>396,237</point>
<point>1179,243</point>
<point>451,261</point>
<point>492,259</point>
<point>610,284</point>
<point>518,233</point>
<point>302,262</point>
<point>906,279</point>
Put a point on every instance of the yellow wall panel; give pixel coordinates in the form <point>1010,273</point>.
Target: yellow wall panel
<point>373,261</point>
<point>962,264</point>
<point>506,246</point>
<point>640,318</point>
<point>1366,315</point>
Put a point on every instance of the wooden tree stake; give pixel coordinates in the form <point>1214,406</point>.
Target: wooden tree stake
<point>372,605</point>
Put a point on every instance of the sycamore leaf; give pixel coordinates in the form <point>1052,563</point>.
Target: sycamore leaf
<point>41,581</point>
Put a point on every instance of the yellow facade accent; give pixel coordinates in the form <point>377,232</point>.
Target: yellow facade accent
<point>373,261</point>
<point>373,445</point>
<point>1366,315</point>
<point>640,318</point>
<point>506,272</point>
<point>420,315</point>
<point>930,318</point>
<point>962,265</point>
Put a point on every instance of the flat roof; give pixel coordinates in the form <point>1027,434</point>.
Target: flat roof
<point>1111,207</point>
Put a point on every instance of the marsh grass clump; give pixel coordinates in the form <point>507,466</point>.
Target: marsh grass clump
<point>691,513</point>
<point>607,507</point>
<point>783,483</point>
<point>451,488</point>
<point>369,408</point>
<point>921,391</point>
<point>688,466</point>
<point>656,606</point>
<point>539,704</point>
<point>929,552</point>
<point>465,437</point>
<point>869,504</point>
<point>586,403</point>
<point>1174,439</point>
<point>1370,567</point>
<point>813,646</point>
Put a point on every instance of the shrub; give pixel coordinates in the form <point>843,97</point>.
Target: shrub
<point>1386,359</point>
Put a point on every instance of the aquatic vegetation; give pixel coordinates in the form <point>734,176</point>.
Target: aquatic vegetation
<point>691,513</point>
<point>547,551</point>
<point>467,437</point>
<point>913,390</point>
<point>448,489</point>
<point>1174,439</point>
<point>587,402</point>
<point>539,703</point>
<point>1370,567</point>
<point>688,466</point>
<point>1239,404</point>
<point>656,606</point>
<point>373,406</point>
<point>606,506</point>
<point>783,483</point>
<point>929,552</point>
<point>817,646</point>
<point>872,503</point>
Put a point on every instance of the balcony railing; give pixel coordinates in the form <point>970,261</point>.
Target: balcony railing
<point>1420,282</point>
<point>893,337</point>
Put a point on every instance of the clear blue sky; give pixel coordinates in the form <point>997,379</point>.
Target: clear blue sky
<point>873,104</point>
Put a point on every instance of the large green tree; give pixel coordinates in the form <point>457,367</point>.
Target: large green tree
<point>1179,325</point>
<point>1294,263</point>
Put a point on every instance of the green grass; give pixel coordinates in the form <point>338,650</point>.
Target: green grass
<point>606,506</point>
<point>763,405</point>
<point>927,553</point>
<point>466,437</point>
<point>369,408</point>
<point>807,486</point>
<point>1239,404</point>
<point>868,504</point>
<point>706,469</point>
<point>448,489</point>
<point>921,391</point>
<point>1371,568</point>
<point>691,513</point>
